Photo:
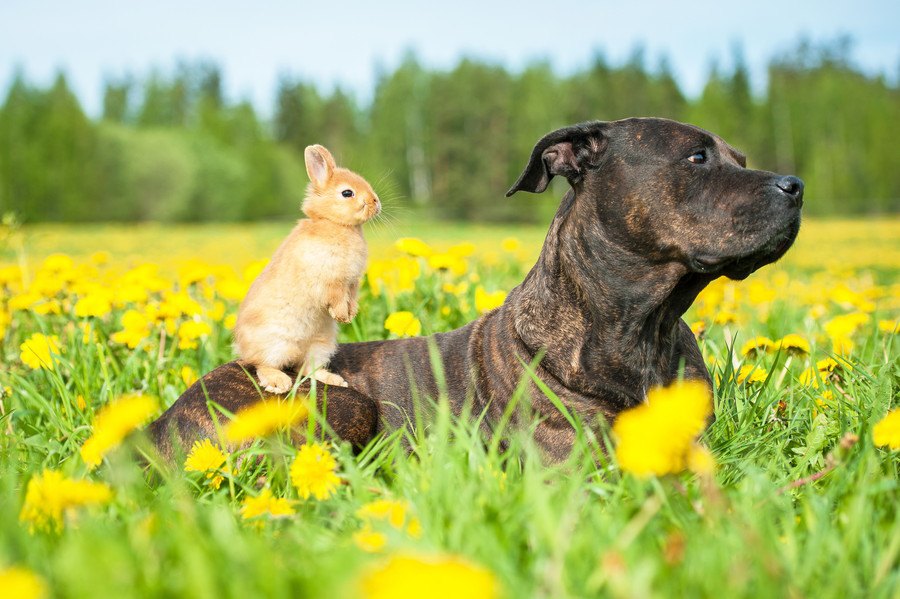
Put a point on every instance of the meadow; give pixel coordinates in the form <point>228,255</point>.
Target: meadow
<point>791,492</point>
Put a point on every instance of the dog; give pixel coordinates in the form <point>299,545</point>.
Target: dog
<point>656,210</point>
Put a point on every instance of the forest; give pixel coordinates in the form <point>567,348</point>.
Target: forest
<point>447,144</point>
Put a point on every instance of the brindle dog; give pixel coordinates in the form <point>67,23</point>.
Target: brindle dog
<point>656,210</point>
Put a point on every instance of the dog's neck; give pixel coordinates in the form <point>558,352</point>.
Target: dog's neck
<point>606,317</point>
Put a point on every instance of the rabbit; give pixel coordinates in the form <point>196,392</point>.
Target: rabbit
<point>288,317</point>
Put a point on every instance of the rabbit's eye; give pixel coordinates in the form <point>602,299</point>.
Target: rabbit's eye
<point>347,193</point>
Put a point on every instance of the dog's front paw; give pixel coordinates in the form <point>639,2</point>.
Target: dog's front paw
<point>274,381</point>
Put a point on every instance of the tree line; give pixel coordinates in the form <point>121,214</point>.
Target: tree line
<point>447,143</point>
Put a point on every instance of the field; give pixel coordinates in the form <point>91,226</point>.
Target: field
<point>792,492</point>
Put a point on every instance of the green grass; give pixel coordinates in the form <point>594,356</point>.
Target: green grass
<point>577,529</point>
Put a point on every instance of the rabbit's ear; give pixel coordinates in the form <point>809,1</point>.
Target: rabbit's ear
<point>319,164</point>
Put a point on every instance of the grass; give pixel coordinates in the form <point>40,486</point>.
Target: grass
<point>583,528</point>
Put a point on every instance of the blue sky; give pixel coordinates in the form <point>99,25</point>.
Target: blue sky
<point>342,42</point>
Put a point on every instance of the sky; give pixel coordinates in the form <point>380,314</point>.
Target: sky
<point>344,43</point>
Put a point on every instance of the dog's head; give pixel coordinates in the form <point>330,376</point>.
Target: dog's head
<point>671,192</point>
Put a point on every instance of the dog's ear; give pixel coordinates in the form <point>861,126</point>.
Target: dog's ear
<point>567,152</point>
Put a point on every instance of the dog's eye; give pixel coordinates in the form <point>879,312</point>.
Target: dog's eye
<point>698,157</point>
<point>347,193</point>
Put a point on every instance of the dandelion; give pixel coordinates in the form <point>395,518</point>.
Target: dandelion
<point>403,324</point>
<point>750,375</point>
<point>135,328</point>
<point>462,250</point>
<point>38,351</point>
<point>369,540</point>
<point>21,583</point>
<point>885,326</point>
<point>485,302</point>
<point>656,437</point>
<point>756,346</point>
<point>50,495</point>
<point>414,247</point>
<point>887,432</point>
<point>190,331</point>
<point>435,577</point>
<point>113,423</point>
<point>698,328</point>
<point>313,472</point>
<point>700,460</point>
<point>389,510</point>
<point>188,375</point>
<point>263,418</point>
<point>793,344</point>
<point>206,457</point>
<point>510,244</point>
<point>56,263</point>
<point>266,505</point>
<point>95,305</point>
<point>845,325</point>
<point>724,317</point>
<point>448,262</point>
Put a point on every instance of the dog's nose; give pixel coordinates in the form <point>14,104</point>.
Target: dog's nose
<point>792,187</point>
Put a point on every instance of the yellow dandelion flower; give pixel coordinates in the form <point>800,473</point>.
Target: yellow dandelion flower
<point>436,577</point>
<point>38,351</point>
<point>56,263</point>
<point>449,262</point>
<point>845,325</point>
<point>206,457</point>
<point>114,422</point>
<point>756,346</point>
<point>21,583</point>
<point>887,432</point>
<point>96,305</point>
<point>369,540</point>
<point>510,244</point>
<point>462,250</point>
<point>793,344</point>
<point>750,374</point>
<point>842,346</point>
<point>485,302</point>
<point>700,460</point>
<point>50,495</point>
<point>313,472</point>
<point>414,247</point>
<point>190,331</point>
<point>263,418</point>
<point>266,505</point>
<point>885,326</point>
<point>724,317</point>
<point>390,510</point>
<point>414,529</point>
<point>655,437</point>
<point>403,324</point>
<point>5,319</point>
<point>203,457</point>
<point>698,328</point>
<point>188,375</point>
<point>230,321</point>
<point>232,288</point>
<point>100,258</point>
<point>136,328</point>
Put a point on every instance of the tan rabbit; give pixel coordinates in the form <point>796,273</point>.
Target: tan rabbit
<point>288,317</point>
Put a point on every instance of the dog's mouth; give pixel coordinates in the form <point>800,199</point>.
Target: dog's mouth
<point>740,267</point>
